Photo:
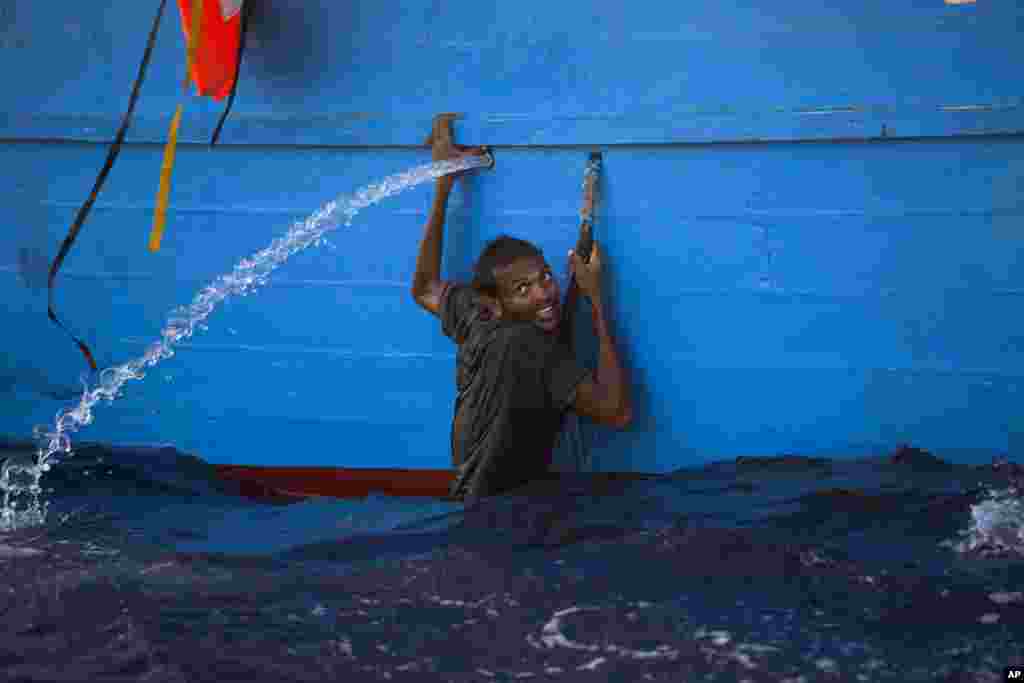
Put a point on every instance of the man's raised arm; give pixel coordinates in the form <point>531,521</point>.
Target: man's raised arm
<point>426,283</point>
<point>605,399</point>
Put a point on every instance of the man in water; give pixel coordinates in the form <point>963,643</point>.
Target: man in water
<point>514,379</point>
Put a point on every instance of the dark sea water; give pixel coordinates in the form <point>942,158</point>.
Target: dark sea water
<point>788,569</point>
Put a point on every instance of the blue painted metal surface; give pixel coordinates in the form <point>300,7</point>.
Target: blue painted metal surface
<point>811,217</point>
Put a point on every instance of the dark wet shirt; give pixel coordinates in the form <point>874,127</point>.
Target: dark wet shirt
<point>514,383</point>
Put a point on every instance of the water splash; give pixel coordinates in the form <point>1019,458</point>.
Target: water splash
<point>19,477</point>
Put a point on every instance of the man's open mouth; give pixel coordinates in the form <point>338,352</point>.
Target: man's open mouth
<point>548,314</point>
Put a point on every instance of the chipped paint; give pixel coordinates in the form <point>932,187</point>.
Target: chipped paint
<point>845,109</point>
<point>967,107</point>
<point>636,125</point>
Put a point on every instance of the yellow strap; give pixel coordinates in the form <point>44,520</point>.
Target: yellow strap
<point>160,215</point>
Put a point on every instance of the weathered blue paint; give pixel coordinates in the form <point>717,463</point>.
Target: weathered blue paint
<point>849,283</point>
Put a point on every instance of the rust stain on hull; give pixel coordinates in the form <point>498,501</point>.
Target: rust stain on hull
<point>292,484</point>
<point>334,482</point>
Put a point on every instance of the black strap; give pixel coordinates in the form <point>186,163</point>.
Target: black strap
<point>83,212</point>
<point>238,68</point>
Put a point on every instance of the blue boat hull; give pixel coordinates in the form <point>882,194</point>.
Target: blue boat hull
<point>811,221</point>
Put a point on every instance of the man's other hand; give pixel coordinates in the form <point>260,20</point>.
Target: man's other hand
<point>588,275</point>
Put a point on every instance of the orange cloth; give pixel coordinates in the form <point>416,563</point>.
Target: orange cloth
<point>213,70</point>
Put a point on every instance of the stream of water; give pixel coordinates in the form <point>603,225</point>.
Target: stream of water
<point>20,477</point>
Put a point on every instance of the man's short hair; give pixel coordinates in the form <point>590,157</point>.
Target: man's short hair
<point>500,252</point>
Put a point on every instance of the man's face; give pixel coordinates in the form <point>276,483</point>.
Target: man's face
<point>528,291</point>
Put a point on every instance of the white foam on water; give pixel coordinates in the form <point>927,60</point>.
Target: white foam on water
<point>996,526</point>
<point>9,551</point>
<point>19,479</point>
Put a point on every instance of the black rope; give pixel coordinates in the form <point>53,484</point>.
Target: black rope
<point>238,68</point>
<point>83,212</point>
